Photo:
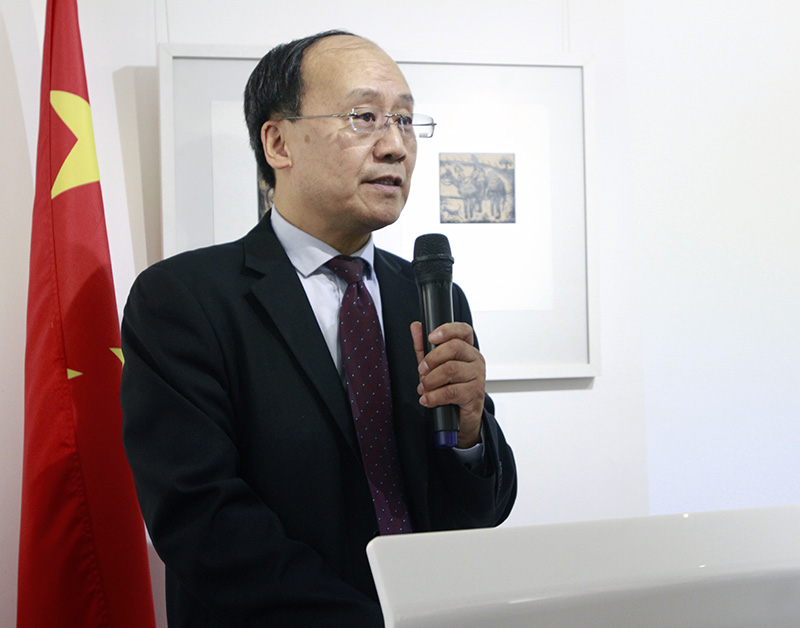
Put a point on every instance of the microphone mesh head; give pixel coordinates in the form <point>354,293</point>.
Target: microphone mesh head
<point>432,258</point>
<point>431,244</point>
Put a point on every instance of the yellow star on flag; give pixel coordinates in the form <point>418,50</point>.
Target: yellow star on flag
<point>118,352</point>
<point>80,166</point>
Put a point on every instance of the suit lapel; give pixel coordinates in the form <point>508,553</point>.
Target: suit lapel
<point>282,296</point>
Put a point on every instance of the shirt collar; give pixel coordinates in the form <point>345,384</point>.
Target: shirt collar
<point>306,252</point>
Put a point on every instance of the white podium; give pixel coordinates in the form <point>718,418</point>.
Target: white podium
<point>724,569</point>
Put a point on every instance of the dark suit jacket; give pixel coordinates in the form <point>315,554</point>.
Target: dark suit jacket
<point>240,437</point>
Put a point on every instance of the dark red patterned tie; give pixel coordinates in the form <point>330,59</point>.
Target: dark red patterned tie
<point>367,373</point>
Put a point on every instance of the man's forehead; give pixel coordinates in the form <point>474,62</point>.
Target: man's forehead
<point>329,60</point>
<point>368,94</point>
<point>337,50</point>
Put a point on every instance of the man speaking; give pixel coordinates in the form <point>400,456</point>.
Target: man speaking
<point>275,389</point>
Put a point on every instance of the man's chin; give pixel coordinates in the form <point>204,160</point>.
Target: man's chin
<point>381,217</point>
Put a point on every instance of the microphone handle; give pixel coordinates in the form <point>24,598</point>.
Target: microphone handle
<point>437,309</point>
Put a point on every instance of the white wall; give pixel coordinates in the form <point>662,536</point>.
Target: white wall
<point>696,193</point>
<point>716,174</point>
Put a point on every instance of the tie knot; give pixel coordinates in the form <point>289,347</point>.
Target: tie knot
<point>351,269</point>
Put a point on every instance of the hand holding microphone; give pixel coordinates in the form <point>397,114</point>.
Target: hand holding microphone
<point>452,370</point>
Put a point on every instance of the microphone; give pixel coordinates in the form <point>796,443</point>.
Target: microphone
<point>433,268</point>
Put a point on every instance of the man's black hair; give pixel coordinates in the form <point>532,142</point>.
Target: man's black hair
<point>275,88</point>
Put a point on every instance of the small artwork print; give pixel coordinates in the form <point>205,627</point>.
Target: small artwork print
<point>476,187</point>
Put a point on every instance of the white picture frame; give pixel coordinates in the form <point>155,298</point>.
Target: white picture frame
<point>531,282</point>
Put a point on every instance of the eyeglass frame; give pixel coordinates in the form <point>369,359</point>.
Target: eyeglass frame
<point>380,128</point>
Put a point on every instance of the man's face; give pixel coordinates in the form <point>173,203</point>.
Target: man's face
<point>344,184</point>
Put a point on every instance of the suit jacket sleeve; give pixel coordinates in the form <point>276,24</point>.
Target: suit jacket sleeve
<point>481,497</point>
<point>221,541</point>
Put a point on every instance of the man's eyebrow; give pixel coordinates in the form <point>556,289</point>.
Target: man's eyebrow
<point>367,93</point>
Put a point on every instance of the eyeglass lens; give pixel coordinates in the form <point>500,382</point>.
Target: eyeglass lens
<point>365,120</point>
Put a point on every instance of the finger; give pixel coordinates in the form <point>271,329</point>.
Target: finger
<point>468,397</point>
<point>419,341</point>
<point>452,331</point>
<point>455,351</point>
<point>452,373</point>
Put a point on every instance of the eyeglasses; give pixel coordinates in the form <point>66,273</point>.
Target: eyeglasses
<point>370,120</point>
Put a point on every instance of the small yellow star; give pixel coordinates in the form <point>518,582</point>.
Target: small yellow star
<point>118,352</point>
<point>80,166</point>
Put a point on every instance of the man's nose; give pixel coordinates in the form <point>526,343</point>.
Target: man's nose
<point>391,144</point>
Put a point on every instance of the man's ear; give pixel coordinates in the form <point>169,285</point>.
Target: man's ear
<point>276,149</point>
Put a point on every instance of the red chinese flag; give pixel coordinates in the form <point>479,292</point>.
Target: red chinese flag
<point>82,555</point>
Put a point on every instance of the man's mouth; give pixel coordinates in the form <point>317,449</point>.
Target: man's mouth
<point>389,180</point>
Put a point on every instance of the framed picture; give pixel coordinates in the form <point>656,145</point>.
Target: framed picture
<point>505,177</point>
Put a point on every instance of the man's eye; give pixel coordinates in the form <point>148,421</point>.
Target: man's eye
<point>404,120</point>
<point>366,116</point>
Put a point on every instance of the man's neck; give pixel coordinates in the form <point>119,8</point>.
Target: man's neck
<point>345,243</point>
